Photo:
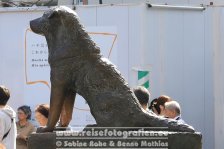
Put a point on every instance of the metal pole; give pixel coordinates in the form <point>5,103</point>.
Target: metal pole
<point>176,7</point>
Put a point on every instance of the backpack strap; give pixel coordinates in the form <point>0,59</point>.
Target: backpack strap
<point>6,134</point>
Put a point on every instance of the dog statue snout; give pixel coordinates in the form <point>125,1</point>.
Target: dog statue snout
<point>35,26</point>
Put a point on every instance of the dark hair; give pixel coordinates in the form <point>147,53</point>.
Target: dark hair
<point>43,109</point>
<point>153,104</point>
<point>4,95</point>
<point>142,94</point>
<point>160,101</point>
<point>26,109</point>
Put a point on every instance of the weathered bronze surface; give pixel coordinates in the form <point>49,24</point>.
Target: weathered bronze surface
<point>78,67</point>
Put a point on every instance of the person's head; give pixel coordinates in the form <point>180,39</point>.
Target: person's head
<point>41,114</point>
<point>153,106</point>
<point>4,95</point>
<point>24,113</point>
<point>142,95</point>
<point>172,109</point>
<point>159,104</point>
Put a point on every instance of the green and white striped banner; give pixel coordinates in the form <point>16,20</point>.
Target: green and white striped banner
<point>143,78</point>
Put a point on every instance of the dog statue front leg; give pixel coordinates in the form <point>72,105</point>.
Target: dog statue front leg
<point>56,103</point>
<point>67,110</point>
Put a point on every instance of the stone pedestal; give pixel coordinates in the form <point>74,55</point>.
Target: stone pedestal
<point>148,139</point>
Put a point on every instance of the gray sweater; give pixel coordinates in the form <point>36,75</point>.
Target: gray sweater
<point>6,124</point>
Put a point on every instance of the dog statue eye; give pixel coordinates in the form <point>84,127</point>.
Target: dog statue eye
<point>52,15</point>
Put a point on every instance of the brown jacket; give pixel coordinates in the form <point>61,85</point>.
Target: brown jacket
<point>23,131</point>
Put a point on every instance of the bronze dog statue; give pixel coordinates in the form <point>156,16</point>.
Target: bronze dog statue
<point>78,67</point>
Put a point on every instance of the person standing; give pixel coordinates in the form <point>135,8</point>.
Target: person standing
<point>143,96</point>
<point>7,121</point>
<point>173,111</point>
<point>24,127</point>
<point>41,114</point>
<point>158,105</point>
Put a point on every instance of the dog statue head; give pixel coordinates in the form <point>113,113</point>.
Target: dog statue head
<point>52,19</point>
<point>65,35</point>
